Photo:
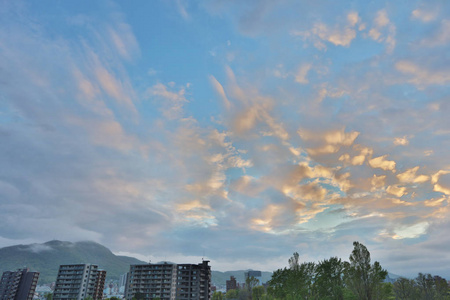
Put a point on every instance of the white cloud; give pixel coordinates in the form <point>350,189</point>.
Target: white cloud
<point>382,163</point>
<point>396,190</point>
<point>401,141</point>
<point>383,30</point>
<point>302,72</point>
<point>172,101</point>
<point>421,76</point>
<point>338,35</point>
<point>412,231</point>
<point>424,15</point>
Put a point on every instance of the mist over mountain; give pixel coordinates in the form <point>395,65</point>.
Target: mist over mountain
<point>47,257</point>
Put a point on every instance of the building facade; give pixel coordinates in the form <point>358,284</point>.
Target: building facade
<point>18,285</point>
<point>231,284</point>
<point>169,281</point>
<point>79,281</point>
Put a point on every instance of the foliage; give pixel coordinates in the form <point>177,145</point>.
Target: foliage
<point>217,296</point>
<point>362,278</point>
<point>332,279</point>
<point>250,283</point>
<point>258,292</point>
<point>328,282</point>
<point>232,294</point>
<point>405,289</point>
<point>425,284</point>
<point>295,282</point>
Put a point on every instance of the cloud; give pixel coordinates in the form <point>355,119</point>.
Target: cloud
<point>409,176</point>
<point>219,89</point>
<point>181,6</point>
<point>382,163</point>
<point>340,137</point>
<point>401,141</point>
<point>439,38</point>
<point>124,40</point>
<point>172,101</point>
<point>38,248</point>
<point>302,72</point>
<point>420,76</point>
<point>338,35</point>
<point>383,30</point>
<point>396,190</point>
<point>378,181</point>
<point>412,231</point>
<point>424,15</point>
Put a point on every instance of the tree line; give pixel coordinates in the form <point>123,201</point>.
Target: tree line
<point>356,279</point>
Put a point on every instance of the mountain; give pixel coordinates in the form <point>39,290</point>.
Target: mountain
<point>46,258</point>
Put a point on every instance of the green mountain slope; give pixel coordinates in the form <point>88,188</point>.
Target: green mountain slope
<point>46,258</point>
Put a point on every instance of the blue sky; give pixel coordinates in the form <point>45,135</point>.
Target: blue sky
<point>241,131</point>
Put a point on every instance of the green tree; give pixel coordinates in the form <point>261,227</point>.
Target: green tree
<point>217,296</point>
<point>232,294</point>
<point>425,284</point>
<point>362,278</point>
<point>243,294</point>
<point>258,292</point>
<point>277,285</point>
<point>328,283</point>
<point>250,283</point>
<point>48,296</point>
<point>405,289</point>
<point>293,283</point>
<point>442,288</point>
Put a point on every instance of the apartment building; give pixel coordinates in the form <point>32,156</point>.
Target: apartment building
<point>18,285</point>
<point>79,281</point>
<point>168,281</point>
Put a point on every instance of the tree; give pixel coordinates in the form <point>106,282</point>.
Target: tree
<point>425,284</point>
<point>217,296</point>
<point>405,289</point>
<point>442,288</point>
<point>250,283</point>
<point>328,283</point>
<point>293,283</point>
<point>232,294</point>
<point>362,278</point>
<point>258,292</point>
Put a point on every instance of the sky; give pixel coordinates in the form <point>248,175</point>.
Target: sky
<point>236,131</point>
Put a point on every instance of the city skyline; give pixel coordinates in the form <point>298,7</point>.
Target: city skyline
<point>237,131</point>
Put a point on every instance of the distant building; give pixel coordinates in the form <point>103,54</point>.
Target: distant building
<point>231,284</point>
<point>18,285</point>
<point>167,281</point>
<point>78,282</point>
<point>123,280</point>
<point>256,274</point>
